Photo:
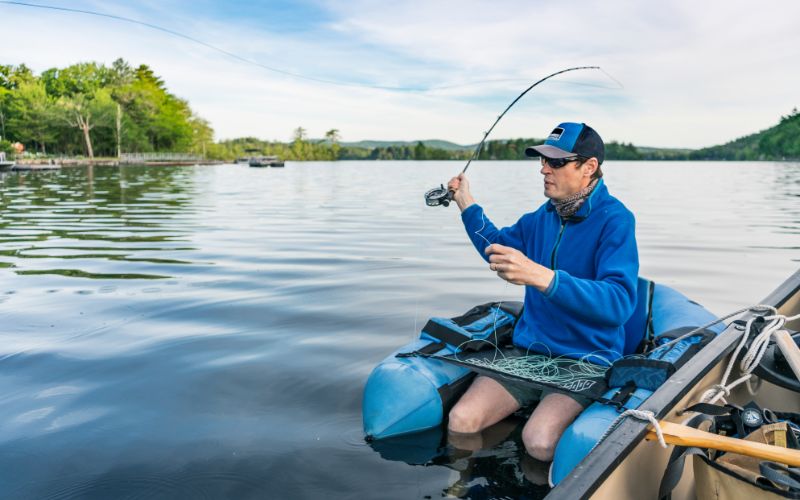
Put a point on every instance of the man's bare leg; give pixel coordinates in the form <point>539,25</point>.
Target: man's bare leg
<point>485,403</point>
<point>550,419</point>
<point>487,438</point>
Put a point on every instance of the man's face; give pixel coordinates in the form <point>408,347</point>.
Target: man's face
<point>560,183</point>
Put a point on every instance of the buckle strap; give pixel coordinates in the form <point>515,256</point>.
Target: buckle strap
<point>427,350</point>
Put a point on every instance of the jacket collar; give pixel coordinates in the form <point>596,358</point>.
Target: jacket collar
<point>599,193</point>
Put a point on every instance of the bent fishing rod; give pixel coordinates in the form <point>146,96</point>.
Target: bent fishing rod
<point>441,195</point>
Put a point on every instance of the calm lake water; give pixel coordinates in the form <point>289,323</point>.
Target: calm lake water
<point>206,332</point>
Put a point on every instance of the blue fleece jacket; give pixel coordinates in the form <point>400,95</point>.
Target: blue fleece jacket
<point>596,263</point>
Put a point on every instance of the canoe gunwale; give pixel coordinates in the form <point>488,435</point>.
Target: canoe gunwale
<point>590,473</point>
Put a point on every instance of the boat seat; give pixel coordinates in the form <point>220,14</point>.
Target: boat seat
<point>640,321</point>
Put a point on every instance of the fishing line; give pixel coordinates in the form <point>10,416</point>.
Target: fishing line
<point>500,303</point>
<point>251,62</point>
<point>572,372</point>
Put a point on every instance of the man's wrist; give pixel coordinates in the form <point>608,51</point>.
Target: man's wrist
<point>464,202</point>
<point>544,279</point>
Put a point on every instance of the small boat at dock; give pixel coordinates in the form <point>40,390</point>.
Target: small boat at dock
<point>6,166</point>
<point>265,161</point>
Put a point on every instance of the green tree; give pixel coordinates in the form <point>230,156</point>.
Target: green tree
<point>5,98</point>
<point>86,111</point>
<point>299,149</point>
<point>420,151</point>
<point>31,114</point>
<point>202,135</point>
<point>332,136</point>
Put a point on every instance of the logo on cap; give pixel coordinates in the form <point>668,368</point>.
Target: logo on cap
<point>556,134</point>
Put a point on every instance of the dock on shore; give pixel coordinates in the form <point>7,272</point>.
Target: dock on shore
<point>27,167</point>
<point>147,159</point>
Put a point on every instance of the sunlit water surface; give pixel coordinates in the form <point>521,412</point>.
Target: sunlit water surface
<point>206,332</point>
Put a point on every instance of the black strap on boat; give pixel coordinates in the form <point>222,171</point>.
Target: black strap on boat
<point>674,470</point>
<point>618,400</point>
<point>514,308</point>
<point>649,340</point>
<point>623,395</point>
<point>782,476</point>
<point>444,334</point>
<point>449,393</point>
<point>708,409</point>
<point>429,349</point>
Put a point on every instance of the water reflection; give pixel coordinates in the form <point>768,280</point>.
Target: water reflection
<point>92,214</point>
<point>491,464</point>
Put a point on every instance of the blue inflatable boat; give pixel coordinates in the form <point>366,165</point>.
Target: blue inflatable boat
<point>413,388</point>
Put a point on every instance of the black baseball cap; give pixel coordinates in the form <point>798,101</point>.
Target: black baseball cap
<point>570,139</point>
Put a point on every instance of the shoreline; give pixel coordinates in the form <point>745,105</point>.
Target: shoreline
<point>109,162</point>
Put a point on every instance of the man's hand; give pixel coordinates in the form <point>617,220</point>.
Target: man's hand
<point>514,267</point>
<point>460,187</point>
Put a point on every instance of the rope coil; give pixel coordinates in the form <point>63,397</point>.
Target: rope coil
<point>752,356</point>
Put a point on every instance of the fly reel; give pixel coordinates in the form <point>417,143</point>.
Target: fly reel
<point>438,196</point>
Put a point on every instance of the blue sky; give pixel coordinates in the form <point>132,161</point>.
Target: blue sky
<point>693,73</point>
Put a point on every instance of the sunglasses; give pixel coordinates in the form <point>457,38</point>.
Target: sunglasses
<point>560,162</point>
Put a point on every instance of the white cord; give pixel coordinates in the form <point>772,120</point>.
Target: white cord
<point>641,415</point>
<point>752,357</point>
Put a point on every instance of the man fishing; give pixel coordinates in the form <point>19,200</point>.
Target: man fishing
<point>577,257</point>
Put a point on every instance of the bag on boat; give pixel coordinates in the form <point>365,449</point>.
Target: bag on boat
<point>651,372</point>
<point>486,325</point>
<point>409,392</point>
<point>739,476</point>
<point>734,475</point>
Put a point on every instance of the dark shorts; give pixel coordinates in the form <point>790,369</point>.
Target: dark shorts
<point>526,395</point>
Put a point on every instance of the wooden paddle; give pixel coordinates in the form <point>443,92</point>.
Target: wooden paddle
<point>789,349</point>
<point>682,435</point>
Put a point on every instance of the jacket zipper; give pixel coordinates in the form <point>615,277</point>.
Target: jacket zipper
<point>555,247</point>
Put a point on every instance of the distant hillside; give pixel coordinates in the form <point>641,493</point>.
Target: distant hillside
<point>781,142</point>
<point>430,143</point>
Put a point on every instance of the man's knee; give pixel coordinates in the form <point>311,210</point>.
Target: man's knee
<point>540,445</point>
<point>463,421</point>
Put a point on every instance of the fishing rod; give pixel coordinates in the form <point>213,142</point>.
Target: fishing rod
<point>441,195</point>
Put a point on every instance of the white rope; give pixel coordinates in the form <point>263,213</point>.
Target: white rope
<point>752,357</point>
<point>646,415</point>
<point>718,320</point>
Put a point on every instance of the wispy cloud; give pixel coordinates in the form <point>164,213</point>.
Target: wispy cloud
<point>693,74</point>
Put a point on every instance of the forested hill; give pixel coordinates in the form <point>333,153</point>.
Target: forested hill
<point>781,142</point>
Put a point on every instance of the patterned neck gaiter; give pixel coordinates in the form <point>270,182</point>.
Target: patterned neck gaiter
<point>568,206</point>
